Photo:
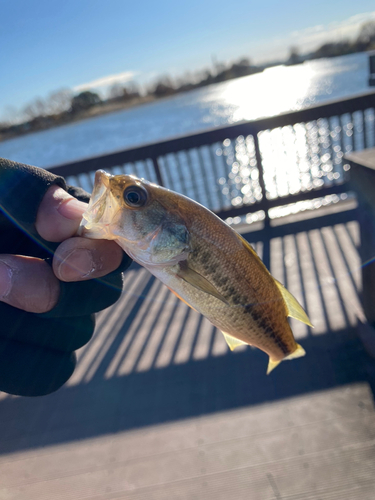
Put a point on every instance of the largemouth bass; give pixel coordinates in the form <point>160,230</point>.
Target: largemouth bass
<point>207,264</point>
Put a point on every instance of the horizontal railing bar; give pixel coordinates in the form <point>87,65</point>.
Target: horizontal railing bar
<point>266,204</point>
<point>293,227</point>
<point>154,150</point>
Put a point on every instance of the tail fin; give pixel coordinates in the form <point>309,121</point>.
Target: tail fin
<point>298,353</point>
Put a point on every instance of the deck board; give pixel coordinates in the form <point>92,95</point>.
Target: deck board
<point>159,408</point>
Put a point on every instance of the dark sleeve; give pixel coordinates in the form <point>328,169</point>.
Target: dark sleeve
<point>37,350</point>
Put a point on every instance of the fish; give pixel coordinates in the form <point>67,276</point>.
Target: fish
<point>200,258</point>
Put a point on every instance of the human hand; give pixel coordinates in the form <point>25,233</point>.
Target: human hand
<point>51,281</point>
<point>29,283</point>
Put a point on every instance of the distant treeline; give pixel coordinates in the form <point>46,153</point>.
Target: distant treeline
<point>63,106</point>
<point>363,43</point>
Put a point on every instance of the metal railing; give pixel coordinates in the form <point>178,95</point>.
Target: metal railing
<point>250,166</point>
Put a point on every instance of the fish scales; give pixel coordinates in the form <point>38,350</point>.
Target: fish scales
<point>258,318</point>
<point>200,258</point>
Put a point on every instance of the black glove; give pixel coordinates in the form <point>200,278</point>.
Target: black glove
<point>37,350</point>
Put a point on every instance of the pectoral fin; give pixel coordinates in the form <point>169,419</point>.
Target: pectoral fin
<point>295,310</point>
<point>198,281</point>
<point>232,342</point>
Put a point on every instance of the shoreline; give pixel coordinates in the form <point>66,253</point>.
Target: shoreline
<point>66,118</point>
<point>103,109</point>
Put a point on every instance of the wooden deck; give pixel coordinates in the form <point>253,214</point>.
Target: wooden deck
<point>158,408</point>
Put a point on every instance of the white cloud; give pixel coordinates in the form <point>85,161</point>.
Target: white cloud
<point>312,37</point>
<point>106,81</point>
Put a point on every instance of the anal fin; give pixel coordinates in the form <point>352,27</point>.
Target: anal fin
<point>232,342</point>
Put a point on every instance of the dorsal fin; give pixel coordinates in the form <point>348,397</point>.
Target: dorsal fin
<point>295,310</point>
<point>251,250</point>
<point>247,245</point>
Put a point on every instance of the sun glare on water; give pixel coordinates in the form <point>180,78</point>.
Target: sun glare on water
<point>271,92</point>
<point>295,158</point>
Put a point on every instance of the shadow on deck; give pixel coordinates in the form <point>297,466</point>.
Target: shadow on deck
<point>154,360</point>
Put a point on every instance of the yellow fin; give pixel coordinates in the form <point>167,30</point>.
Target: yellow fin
<point>198,281</point>
<point>232,342</point>
<point>295,310</point>
<point>298,353</point>
<point>249,247</point>
<point>272,365</point>
<point>251,250</point>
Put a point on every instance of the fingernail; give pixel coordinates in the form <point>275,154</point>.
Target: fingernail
<point>72,209</point>
<point>5,279</point>
<point>77,264</point>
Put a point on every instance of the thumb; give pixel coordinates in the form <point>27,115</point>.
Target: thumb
<point>59,215</point>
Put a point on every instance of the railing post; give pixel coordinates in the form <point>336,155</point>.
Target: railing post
<point>261,178</point>
<point>157,171</point>
<point>266,256</point>
<point>364,128</point>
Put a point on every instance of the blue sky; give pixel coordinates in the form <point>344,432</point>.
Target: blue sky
<point>46,45</point>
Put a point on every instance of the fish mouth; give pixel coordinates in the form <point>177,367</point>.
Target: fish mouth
<point>95,217</point>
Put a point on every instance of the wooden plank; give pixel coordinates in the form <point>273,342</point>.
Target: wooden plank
<point>364,158</point>
<point>191,422</point>
<point>252,438</point>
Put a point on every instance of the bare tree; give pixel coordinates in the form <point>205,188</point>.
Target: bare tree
<point>367,33</point>
<point>294,56</point>
<point>35,109</point>
<point>29,111</point>
<point>164,86</point>
<point>59,101</point>
<point>40,107</point>
<point>116,91</point>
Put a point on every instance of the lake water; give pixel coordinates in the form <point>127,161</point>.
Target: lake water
<point>274,91</point>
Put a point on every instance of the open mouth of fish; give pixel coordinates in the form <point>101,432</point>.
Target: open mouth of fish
<point>102,206</point>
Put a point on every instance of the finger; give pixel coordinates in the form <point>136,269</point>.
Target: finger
<point>28,283</point>
<point>59,215</point>
<point>78,259</point>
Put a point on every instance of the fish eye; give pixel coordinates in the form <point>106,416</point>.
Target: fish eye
<point>135,196</point>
